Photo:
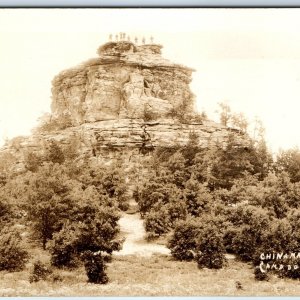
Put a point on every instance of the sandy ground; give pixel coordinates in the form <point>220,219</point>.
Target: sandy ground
<point>133,230</point>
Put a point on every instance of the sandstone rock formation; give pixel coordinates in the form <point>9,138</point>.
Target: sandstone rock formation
<point>129,99</point>
<point>123,82</point>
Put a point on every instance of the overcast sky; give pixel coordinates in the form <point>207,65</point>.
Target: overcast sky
<point>249,58</point>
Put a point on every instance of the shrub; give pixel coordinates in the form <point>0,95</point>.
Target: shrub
<point>40,272</point>
<point>157,222</point>
<point>292,268</point>
<point>259,275</point>
<point>210,248</point>
<point>13,256</point>
<point>95,229</point>
<point>250,226</point>
<point>62,248</point>
<point>183,240</point>
<point>197,197</point>
<point>32,161</point>
<point>95,267</point>
<point>54,152</point>
<point>156,192</point>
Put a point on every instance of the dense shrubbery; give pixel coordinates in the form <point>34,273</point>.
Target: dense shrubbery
<point>13,255</point>
<point>226,198</point>
<point>223,199</point>
<point>65,206</point>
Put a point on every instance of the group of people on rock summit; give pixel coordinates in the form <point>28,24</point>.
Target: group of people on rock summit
<point>122,37</point>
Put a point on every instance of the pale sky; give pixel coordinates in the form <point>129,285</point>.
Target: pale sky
<point>249,58</point>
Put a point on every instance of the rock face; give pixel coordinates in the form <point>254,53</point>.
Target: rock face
<point>124,82</point>
<point>128,101</point>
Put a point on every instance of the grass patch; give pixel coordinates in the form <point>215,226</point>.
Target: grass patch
<point>152,276</point>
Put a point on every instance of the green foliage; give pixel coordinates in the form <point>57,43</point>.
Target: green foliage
<point>157,222</point>
<point>225,113</point>
<point>62,249</point>
<point>109,181</point>
<point>5,209</point>
<point>13,255</point>
<point>200,239</point>
<point>191,148</point>
<point>48,203</point>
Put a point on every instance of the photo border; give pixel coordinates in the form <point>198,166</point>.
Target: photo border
<point>150,4</point>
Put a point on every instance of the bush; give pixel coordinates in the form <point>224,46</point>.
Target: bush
<point>95,267</point>
<point>292,268</point>
<point>40,272</point>
<point>210,248</point>
<point>250,226</point>
<point>191,236</point>
<point>183,240</point>
<point>157,222</point>
<point>13,256</point>
<point>259,275</point>
<point>32,161</point>
<point>94,229</point>
<point>197,197</point>
<point>62,248</point>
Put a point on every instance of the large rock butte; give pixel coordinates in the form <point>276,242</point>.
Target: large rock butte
<point>129,98</point>
<point>126,81</point>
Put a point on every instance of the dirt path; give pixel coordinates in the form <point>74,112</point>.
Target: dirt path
<point>133,230</point>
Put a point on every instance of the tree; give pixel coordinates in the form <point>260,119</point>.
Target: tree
<point>225,113</point>
<point>54,152</point>
<point>250,227</point>
<point>182,242</point>
<point>92,226</point>
<point>197,197</point>
<point>32,161</point>
<point>210,248</point>
<point>239,121</point>
<point>48,203</point>
<point>13,255</point>
<point>289,161</point>
<point>95,267</point>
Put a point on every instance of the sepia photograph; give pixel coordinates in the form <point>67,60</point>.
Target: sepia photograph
<point>149,152</point>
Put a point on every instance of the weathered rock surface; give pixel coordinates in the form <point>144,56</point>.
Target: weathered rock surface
<point>124,102</point>
<point>98,139</point>
<point>124,81</point>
